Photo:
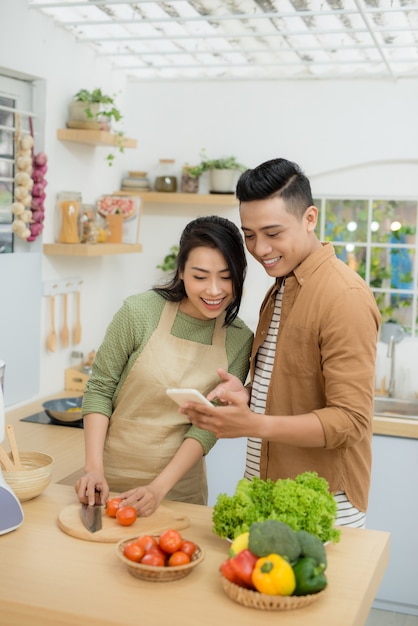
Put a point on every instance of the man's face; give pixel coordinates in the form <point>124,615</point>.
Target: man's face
<point>275,238</point>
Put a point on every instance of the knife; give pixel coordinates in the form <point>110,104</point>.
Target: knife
<point>91,516</point>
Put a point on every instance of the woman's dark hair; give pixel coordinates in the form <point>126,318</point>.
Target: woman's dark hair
<point>211,232</point>
<point>280,178</point>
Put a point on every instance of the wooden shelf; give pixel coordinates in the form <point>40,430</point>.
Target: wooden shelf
<point>90,250</point>
<point>95,137</point>
<point>159,197</point>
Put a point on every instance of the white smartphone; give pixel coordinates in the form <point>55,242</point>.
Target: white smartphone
<point>181,396</point>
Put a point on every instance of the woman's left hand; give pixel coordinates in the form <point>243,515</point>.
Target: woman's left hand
<point>143,499</point>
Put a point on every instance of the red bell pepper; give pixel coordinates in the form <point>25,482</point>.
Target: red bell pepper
<point>228,572</point>
<point>240,568</point>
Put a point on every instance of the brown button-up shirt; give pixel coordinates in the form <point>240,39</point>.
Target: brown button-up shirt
<point>325,363</point>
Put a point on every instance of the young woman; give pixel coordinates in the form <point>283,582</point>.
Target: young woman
<point>177,335</point>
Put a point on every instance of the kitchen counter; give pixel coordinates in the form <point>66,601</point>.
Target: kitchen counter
<point>64,443</point>
<point>49,578</point>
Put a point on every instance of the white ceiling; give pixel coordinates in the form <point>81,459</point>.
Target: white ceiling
<point>247,39</point>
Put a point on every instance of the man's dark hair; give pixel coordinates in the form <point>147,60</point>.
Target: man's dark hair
<point>277,178</point>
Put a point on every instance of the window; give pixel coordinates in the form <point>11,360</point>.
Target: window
<point>377,238</point>
<point>15,97</point>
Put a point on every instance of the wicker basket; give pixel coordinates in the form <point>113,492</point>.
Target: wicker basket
<point>155,573</point>
<point>256,600</point>
<point>34,478</point>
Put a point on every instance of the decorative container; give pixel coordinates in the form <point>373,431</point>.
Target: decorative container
<point>66,217</point>
<point>165,179</point>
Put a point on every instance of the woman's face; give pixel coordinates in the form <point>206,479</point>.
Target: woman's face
<point>207,282</point>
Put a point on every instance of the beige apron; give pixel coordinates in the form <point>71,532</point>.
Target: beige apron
<point>145,429</point>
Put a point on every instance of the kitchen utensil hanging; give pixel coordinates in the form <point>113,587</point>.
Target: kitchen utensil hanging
<point>77,324</point>
<point>65,333</point>
<point>51,340</point>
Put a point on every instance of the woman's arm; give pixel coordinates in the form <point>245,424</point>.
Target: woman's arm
<point>93,480</point>
<point>147,499</point>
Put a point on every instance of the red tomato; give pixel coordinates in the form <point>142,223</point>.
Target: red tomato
<point>133,551</point>
<point>126,515</point>
<point>178,558</point>
<point>112,506</point>
<point>157,549</point>
<point>170,541</point>
<point>188,547</point>
<point>146,541</point>
<point>153,557</point>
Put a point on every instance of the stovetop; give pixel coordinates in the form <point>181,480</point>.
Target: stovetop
<point>43,418</point>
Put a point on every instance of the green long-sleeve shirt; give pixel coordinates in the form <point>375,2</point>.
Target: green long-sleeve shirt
<point>128,334</point>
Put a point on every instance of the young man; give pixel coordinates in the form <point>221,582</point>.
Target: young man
<point>310,403</point>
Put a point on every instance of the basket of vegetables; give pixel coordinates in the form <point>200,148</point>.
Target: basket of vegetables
<point>273,567</point>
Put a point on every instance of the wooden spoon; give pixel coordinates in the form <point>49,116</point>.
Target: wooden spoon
<point>51,340</point>
<point>6,461</point>
<point>77,325</point>
<point>65,333</point>
<point>13,446</point>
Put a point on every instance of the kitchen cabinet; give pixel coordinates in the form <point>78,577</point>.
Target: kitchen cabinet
<point>393,507</point>
<point>95,138</point>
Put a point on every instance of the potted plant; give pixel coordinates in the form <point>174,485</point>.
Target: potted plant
<point>169,262</point>
<point>222,172</point>
<point>94,106</point>
<point>95,110</point>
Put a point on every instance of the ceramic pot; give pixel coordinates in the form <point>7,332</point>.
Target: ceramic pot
<point>222,181</point>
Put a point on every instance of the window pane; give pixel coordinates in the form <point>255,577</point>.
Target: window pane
<point>395,307</point>
<point>354,256</point>
<point>394,221</point>
<point>346,220</point>
<point>6,200</point>
<point>392,268</point>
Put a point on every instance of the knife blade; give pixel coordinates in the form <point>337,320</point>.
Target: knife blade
<point>91,516</point>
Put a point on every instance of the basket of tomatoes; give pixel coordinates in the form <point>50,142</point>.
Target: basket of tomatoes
<point>159,558</point>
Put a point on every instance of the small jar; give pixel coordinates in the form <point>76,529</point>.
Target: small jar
<point>88,230</point>
<point>165,179</point>
<point>66,217</point>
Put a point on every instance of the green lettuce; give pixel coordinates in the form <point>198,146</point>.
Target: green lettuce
<point>304,503</point>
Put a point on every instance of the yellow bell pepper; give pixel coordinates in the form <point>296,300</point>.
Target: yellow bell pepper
<point>274,576</point>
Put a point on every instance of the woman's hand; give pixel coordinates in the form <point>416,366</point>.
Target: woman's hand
<point>143,499</point>
<point>92,488</point>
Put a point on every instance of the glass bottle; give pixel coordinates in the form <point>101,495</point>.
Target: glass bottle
<point>88,229</point>
<point>165,179</point>
<point>66,217</point>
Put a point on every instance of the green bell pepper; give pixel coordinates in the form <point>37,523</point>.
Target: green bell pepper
<point>310,577</point>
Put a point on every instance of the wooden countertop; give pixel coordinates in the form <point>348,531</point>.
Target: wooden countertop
<point>64,443</point>
<point>49,578</point>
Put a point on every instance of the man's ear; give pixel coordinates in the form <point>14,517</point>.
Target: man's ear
<point>311,217</point>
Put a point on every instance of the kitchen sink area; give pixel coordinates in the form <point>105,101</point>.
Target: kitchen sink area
<point>385,406</point>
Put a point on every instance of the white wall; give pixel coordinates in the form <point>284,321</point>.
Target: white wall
<point>353,138</point>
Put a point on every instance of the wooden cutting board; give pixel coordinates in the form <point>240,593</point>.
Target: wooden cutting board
<point>69,520</point>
